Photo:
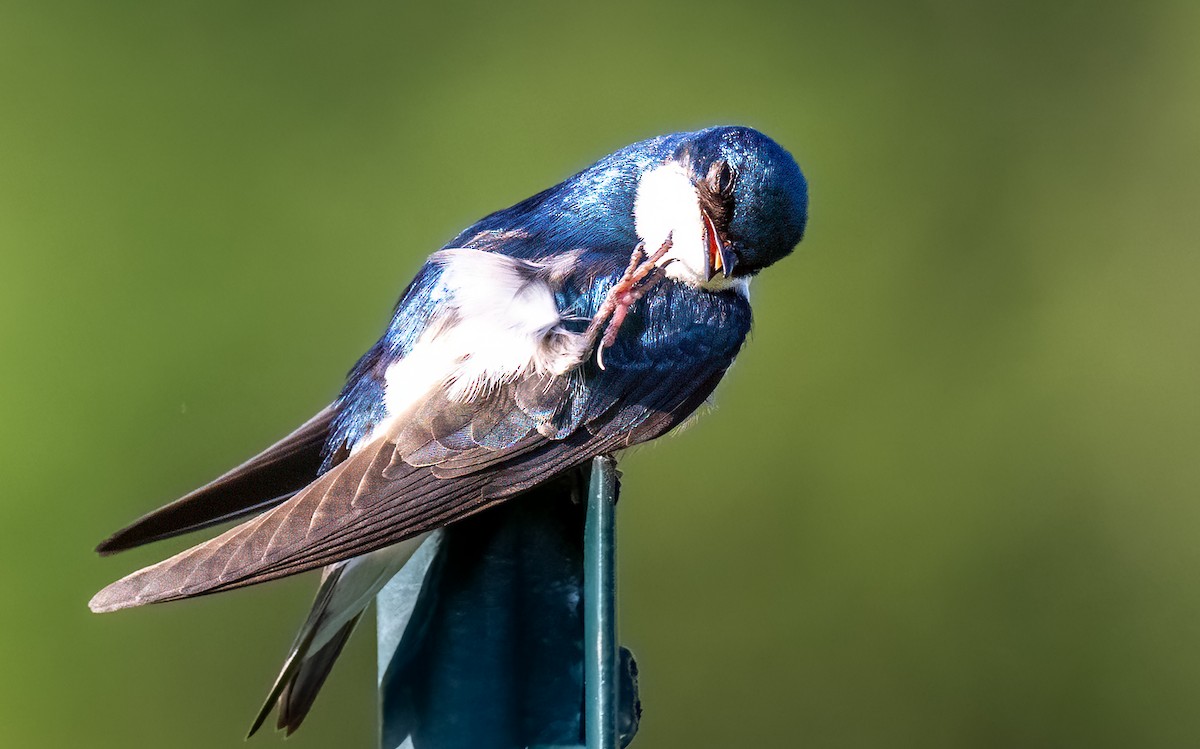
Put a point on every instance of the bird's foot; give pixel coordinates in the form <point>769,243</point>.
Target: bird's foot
<point>642,275</point>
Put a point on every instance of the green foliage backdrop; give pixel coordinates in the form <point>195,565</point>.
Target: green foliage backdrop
<point>948,499</point>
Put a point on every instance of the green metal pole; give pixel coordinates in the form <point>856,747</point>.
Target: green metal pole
<point>599,607</point>
<point>526,553</point>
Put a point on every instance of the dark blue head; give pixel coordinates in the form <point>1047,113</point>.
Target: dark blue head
<point>752,191</point>
<point>732,200</point>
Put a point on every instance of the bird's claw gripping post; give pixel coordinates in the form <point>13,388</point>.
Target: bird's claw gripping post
<point>642,275</point>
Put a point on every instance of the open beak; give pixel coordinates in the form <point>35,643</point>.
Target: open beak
<point>718,257</point>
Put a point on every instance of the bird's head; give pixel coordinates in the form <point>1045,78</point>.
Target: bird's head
<point>731,200</point>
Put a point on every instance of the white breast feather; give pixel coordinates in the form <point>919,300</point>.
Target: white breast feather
<point>498,322</point>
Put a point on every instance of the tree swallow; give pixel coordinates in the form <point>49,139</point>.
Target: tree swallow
<point>593,316</point>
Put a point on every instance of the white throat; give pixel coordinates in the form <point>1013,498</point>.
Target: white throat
<point>667,205</point>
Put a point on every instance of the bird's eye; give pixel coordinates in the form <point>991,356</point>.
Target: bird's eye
<point>721,177</point>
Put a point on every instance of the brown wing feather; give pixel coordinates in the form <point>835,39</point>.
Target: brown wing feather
<point>260,483</point>
<point>376,497</point>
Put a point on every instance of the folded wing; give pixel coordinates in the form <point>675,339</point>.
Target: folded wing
<point>256,485</point>
<point>466,444</point>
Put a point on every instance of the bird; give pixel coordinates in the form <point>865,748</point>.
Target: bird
<point>596,315</point>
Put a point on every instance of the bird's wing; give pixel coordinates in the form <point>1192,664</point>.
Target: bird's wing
<point>256,485</point>
<point>289,465</point>
<point>467,443</point>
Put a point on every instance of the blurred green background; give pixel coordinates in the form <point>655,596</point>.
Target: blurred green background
<point>963,510</point>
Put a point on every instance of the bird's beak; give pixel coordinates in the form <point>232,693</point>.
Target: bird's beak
<point>719,257</point>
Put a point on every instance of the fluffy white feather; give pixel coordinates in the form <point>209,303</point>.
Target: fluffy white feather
<point>498,322</point>
<point>506,323</point>
<point>667,205</point>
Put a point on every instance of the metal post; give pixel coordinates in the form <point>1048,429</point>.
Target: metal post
<point>476,646</point>
<point>599,607</point>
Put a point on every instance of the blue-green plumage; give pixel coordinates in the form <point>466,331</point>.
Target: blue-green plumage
<point>591,213</point>
<point>595,315</point>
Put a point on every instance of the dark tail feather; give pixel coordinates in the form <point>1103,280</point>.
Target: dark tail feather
<point>260,483</point>
<point>301,691</point>
<point>345,592</point>
<point>295,662</point>
<point>296,688</point>
<point>290,668</point>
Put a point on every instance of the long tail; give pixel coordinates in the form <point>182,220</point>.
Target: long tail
<point>346,589</point>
